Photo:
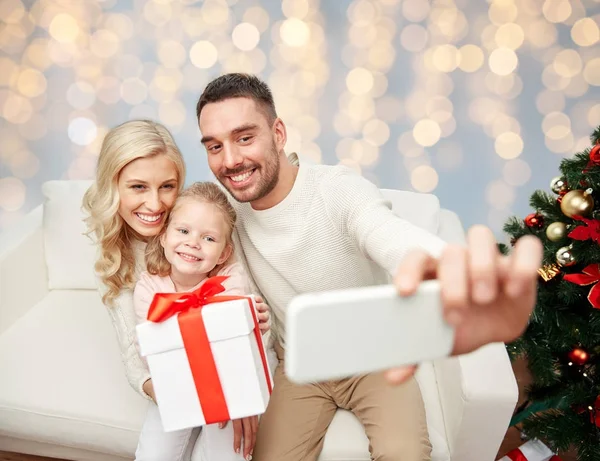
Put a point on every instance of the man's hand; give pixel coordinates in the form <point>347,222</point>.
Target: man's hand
<point>263,314</point>
<point>244,435</point>
<point>148,388</point>
<point>487,297</point>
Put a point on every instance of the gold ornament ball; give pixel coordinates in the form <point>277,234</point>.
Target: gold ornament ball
<point>558,184</point>
<point>556,231</point>
<point>577,203</point>
<point>564,257</point>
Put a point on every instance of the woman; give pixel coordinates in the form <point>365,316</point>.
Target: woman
<point>140,173</point>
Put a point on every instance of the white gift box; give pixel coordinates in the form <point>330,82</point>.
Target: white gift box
<point>244,375</point>
<point>532,450</point>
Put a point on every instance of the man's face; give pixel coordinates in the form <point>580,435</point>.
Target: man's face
<point>242,147</point>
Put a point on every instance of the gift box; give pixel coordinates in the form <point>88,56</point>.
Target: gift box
<point>533,450</point>
<point>206,357</point>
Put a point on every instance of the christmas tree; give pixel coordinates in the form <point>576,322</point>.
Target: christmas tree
<point>562,341</point>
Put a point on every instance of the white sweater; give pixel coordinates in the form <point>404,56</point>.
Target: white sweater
<point>334,230</point>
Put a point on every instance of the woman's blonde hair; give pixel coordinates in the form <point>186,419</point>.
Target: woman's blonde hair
<point>122,145</point>
<point>207,192</point>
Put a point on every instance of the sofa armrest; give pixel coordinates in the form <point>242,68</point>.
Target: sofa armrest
<point>478,394</point>
<point>451,229</point>
<point>23,274</point>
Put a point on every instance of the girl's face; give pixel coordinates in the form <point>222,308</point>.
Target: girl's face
<point>148,188</point>
<point>196,238</point>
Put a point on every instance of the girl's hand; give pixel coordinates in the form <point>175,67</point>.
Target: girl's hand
<point>148,388</point>
<point>263,314</point>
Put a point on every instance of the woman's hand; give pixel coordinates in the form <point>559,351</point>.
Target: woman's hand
<point>148,388</point>
<point>244,435</point>
<point>263,314</point>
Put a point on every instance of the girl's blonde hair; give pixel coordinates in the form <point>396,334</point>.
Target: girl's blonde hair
<point>207,192</point>
<point>122,145</point>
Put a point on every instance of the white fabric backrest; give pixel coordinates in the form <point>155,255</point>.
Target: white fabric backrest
<point>422,210</point>
<point>70,255</point>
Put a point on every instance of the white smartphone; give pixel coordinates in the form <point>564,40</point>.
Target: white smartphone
<point>341,333</point>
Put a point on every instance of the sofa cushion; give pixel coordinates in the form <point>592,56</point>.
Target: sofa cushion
<point>66,384</point>
<point>70,254</point>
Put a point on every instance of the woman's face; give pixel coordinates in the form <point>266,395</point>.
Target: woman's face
<point>148,188</point>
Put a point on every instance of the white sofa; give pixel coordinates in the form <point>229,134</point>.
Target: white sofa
<point>63,391</point>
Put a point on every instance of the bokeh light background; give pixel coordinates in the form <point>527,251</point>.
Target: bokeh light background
<point>476,101</point>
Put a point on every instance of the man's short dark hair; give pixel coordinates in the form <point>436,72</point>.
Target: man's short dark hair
<point>237,85</point>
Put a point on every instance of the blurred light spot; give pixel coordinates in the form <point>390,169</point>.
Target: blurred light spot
<point>257,16</point>
<point>104,43</point>
<point>377,132</point>
<point>499,194</point>
<point>557,10</point>
<point>516,172</point>
<point>509,145</point>
<point>585,32</point>
<point>245,36</point>
<point>11,11</point>
<point>12,193</point>
<point>81,95</point>
<point>552,80</point>
<point>25,165</point>
<point>295,8</point>
<point>35,128</point>
<point>359,81</point>
<point>449,156</point>
<point>415,10</point>
<point>577,87</point>
<point>108,90</point>
<point>414,38</point>
<point>556,125</point>
<point>17,109</point>
<point>120,24</point>
<point>592,72</point>
<point>594,116</point>
<point>541,34</point>
<point>448,127</point>
<point>501,12</point>
<point>312,151</point>
<point>172,113</point>
<point>36,54</point>
<point>171,54</point>
<point>483,110</point>
<point>424,178</point>
<point>64,28</point>
<point>194,79</point>
<point>143,111</point>
<point>503,61</point>
<point>31,83</point>
<point>134,91</point>
<point>427,132</point>
<point>9,72</point>
<point>550,101</point>
<point>470,58</point>
<point>381,56</point>
<point>294,32</point>
<point>82,131</point>
<point>567,63</point>
<point>445,58</point>
<point>510,35</point>
<point>156,13</point>
<point>388,108</point>
<point>215,12</point>
<point>562,145</point>
<point>203,54</point>
<point>361,12</point>
<point>581,144</point>
<point>309,126</point>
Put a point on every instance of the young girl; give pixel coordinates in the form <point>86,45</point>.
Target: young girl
<point>195,245</point>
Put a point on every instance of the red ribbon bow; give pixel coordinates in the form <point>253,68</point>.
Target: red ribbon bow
<point>195,339</point>
<point>517,455</point>
<point>590,275</point>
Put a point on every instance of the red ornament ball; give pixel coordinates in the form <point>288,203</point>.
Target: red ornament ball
<point>579,356</point>
<point>534,221</point>
<point>595,154</point>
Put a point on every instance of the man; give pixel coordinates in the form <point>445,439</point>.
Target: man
<point>315,227</point>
